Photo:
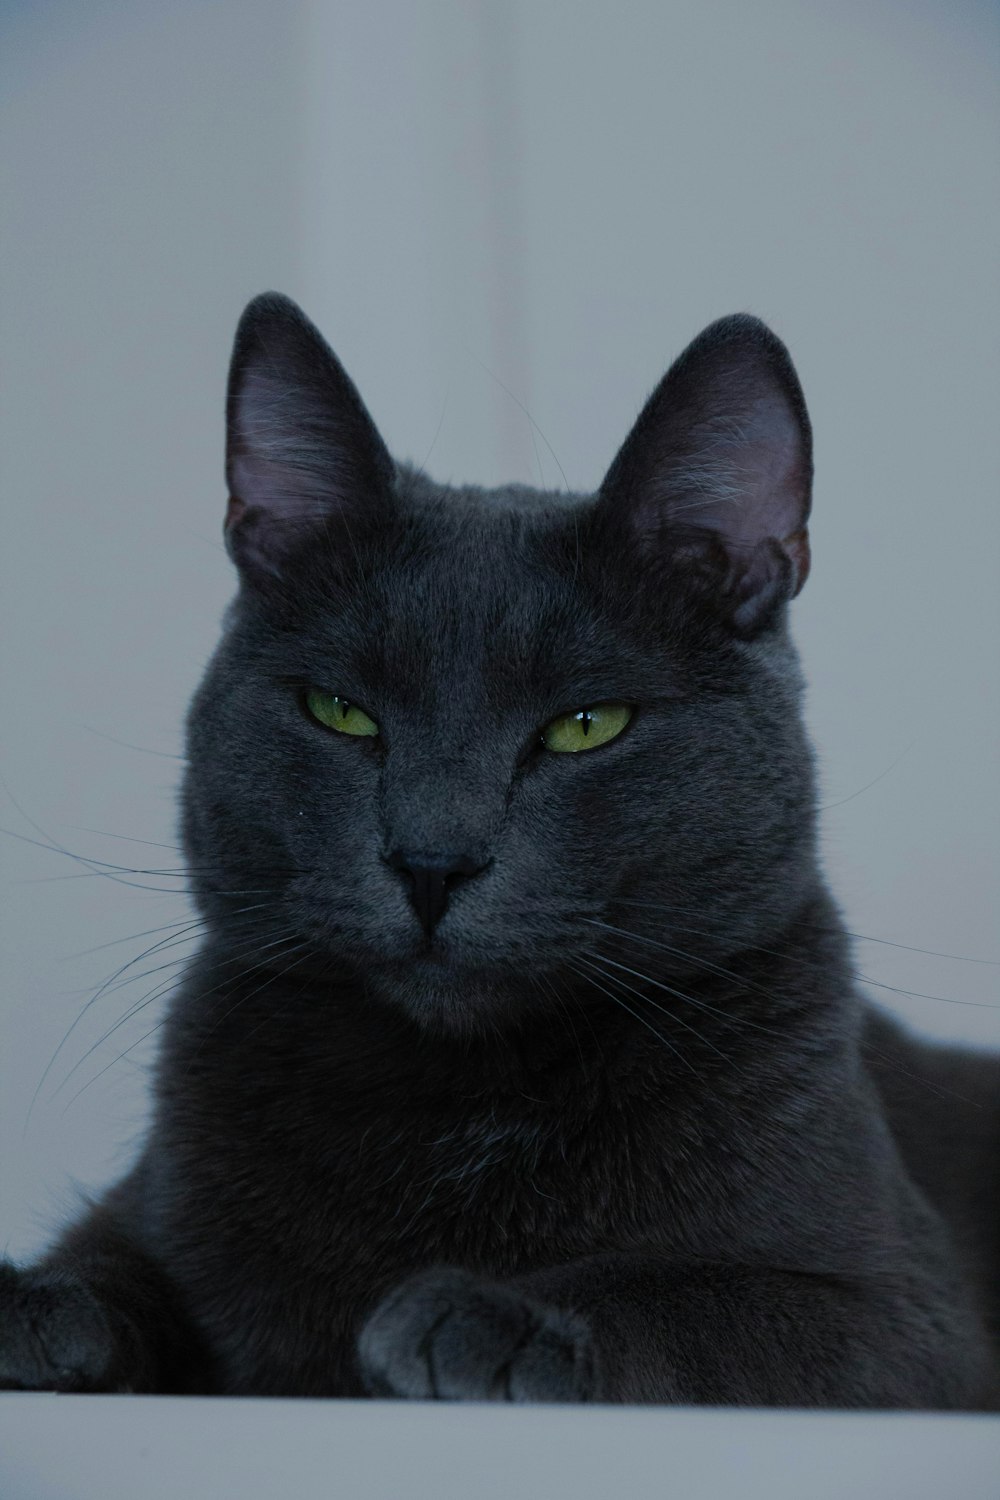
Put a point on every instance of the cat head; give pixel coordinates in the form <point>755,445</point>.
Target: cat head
<point>455,743</point>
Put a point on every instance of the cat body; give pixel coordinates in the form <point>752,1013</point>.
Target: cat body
<point>505,1072</point>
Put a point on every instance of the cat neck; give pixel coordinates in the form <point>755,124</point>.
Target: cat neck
<point>605,1022</point>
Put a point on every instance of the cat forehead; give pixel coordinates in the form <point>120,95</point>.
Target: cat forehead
<point>416,492</point>
<point>486,591</point>
<point>501,558</point>
<point>469,590</point>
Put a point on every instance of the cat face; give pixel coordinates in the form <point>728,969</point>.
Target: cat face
<point>391,753</point>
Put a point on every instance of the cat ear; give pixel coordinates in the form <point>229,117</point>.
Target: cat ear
<point>301,450</point>
<point>717,470</point>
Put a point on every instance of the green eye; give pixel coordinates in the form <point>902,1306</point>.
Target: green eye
<point>337,713</point>
<point>587,729</point>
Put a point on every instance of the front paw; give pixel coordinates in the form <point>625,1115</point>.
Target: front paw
<point>447,1335</point>
<point>53,1334</point>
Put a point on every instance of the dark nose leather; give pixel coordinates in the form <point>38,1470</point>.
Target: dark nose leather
<point>431,878</point>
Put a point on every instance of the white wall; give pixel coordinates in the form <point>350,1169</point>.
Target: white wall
<point>149,155</point>
<point>551,197</point>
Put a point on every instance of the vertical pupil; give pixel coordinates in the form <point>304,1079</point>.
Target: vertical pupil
<point>342,707</point>
<point>584,718</point>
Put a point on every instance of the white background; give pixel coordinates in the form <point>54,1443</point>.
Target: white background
<point>551,197</point>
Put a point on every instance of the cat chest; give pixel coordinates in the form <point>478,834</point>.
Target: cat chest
<point>290,1248</point>
<point>294,1237</point>
<point>484,1193</point>
<point>494,1194</point>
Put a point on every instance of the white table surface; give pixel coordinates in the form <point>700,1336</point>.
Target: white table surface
<point>151,1448</point>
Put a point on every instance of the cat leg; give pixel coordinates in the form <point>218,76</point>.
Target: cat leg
<point>95,1314</point>
<point>640,1329</point>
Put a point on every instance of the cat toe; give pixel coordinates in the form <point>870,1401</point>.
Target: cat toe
<point>450,1335</point>
<point>53,1335</point>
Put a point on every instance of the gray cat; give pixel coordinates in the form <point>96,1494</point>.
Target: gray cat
<point>522,1059</point>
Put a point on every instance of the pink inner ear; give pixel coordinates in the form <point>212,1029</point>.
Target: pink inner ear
<point>797,547</point>
<point>287,490</point>
<point>723,446</point>
<point>302,452</point>
<point>755,474</point>
<point>744,476</point>
<point>235,511</point>
<point>772,475</point>
<point>776,501</point>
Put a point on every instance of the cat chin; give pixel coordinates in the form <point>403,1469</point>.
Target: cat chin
<point>446,998</point>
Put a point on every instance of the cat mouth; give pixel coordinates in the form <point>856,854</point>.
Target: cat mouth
<point>433,954</point>
<point>436,956</point>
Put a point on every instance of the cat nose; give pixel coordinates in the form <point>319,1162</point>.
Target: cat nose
<point>431,879</point>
